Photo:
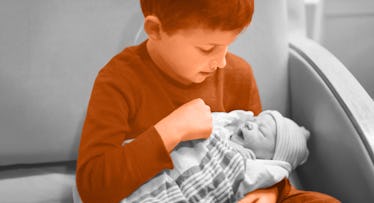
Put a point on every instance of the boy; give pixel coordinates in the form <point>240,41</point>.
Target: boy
<point>243,153</point>
<point>162,92</point>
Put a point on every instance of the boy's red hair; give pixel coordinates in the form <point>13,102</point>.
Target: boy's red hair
<point>212,14</point>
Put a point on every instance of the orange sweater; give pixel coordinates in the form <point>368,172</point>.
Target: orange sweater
<point>129,96</point>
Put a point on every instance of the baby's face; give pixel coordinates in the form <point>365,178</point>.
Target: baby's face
<point>258,134</point>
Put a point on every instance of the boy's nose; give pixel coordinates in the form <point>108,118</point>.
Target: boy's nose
<point>222,63</point>
<point>221,58</point>
<point>214,64</point>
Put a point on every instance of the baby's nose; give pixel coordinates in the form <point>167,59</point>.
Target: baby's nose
<point>249,126</point>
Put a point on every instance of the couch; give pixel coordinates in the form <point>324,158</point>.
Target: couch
<point>52,50</point>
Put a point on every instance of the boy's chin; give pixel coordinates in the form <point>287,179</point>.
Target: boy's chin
<point>201,78</point>
<point>199,81</point>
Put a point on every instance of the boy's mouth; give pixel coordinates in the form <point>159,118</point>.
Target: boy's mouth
<point>207,73</point>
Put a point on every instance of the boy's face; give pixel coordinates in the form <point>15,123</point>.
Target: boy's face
<point>192,55</point>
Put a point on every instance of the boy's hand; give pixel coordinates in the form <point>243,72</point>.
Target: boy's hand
<point>192,120</point>
<point>268,195</point>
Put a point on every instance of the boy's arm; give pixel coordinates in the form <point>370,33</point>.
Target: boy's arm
<point>106,170</point>
<point>268,195</point>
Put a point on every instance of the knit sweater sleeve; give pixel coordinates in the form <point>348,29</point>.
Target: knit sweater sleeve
<point>108,171</point>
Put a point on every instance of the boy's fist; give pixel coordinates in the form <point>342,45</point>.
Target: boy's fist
<point>195,120</point>
<point>192,120</point>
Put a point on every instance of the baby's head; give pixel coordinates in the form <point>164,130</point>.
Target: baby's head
<point>272,136</point>
<point>209,14</point>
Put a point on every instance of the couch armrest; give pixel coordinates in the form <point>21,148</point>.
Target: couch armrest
<point>329,101</point>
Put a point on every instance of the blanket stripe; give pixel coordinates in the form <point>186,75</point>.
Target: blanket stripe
<point>220,175</point>
<point>214,180</point>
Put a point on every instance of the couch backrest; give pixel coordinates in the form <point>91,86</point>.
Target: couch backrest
<point>52,50</point>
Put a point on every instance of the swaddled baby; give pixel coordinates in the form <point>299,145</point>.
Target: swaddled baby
<point>268,135</point>
<point>243,153</point>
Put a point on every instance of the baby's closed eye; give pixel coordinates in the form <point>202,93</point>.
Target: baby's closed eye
<point>249,126</point>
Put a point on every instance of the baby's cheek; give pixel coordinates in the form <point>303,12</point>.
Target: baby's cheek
<point>248,139</point>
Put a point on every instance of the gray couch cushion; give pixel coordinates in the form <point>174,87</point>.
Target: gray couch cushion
<point>39,183</point>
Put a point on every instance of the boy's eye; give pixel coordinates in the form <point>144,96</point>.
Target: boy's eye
<point>206,51</point>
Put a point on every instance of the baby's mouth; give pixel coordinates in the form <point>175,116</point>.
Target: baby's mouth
<point>238,136</point>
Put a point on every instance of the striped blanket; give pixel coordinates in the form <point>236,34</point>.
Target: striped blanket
<point>211,170</point>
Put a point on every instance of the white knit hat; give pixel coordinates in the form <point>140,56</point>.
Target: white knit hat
<point>291,140</point>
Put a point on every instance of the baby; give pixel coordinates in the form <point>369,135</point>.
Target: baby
<point>268,135</point>
<point>243,153</point>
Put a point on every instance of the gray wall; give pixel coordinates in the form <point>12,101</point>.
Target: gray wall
<point>348,32</point>
<point>50,53</point>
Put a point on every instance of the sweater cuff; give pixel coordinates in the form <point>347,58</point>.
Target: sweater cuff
<point>154,154</point>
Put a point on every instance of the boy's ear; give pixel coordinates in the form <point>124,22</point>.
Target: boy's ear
<point>152,26</point>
